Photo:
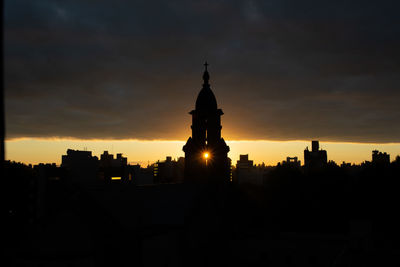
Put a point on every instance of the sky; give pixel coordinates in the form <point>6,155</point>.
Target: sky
<point>281,70</point>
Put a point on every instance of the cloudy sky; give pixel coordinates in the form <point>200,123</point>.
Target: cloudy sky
<point>280,69</point>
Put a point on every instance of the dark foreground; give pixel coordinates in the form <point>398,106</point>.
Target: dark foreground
<point>187,225</point>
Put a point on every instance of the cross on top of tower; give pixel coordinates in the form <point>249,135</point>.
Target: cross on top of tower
<point>205,65</point>
<point>206,76</point>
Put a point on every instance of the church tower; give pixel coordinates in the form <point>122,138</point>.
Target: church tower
<point>206,153</point>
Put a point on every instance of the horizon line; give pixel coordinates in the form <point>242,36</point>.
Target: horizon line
<point>16,139</point>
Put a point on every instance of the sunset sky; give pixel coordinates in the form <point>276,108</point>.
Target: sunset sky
<point>123,75</point>
<point>35,151</point>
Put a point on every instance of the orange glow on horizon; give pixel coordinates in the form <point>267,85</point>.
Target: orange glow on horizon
<point>39,150</point>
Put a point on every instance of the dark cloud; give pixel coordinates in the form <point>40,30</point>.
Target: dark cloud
<point>280,69</point>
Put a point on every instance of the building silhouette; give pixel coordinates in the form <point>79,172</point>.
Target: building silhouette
<point>115,169</point>
<point>169,171</point>
<point>247,173</point>
<point>206,153</point>
<point>291,162</point>
<point>81,165</point>
<point>141,176</point>
<point>316,158</point>
<point>107,160</point>
<point>379,158</point>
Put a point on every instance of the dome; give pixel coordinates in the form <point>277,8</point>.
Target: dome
<point>206,99</point>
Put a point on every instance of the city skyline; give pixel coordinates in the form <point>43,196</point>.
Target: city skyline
<point>205,139</point>
<point>263,152</point>
<point>144,152</point>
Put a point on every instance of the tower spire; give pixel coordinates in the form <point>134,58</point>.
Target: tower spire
<point>206,153</point>
<point>206,76</point>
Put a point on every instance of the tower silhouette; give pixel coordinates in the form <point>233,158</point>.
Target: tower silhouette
<point>206,153</point>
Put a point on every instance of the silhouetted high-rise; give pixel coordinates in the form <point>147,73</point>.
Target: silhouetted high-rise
<point>379,158</point>
<point>81,165</point>
<point>316,158</point>
<point>206,153</point>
